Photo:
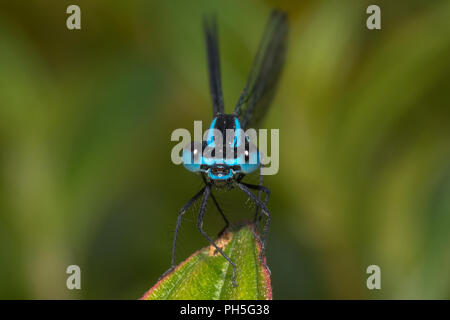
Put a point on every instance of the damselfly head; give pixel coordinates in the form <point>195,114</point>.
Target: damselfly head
<point>226,153</point>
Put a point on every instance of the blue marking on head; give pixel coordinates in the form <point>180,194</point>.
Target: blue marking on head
<point>237,133</point>
<point>214,177</point>
<point>210,137</point>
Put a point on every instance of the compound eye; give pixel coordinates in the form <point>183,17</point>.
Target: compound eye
<point>251,158</point>
<point>192,156</point>
<point>250,153</point>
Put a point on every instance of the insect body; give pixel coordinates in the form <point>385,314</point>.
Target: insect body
<point>227,155</point>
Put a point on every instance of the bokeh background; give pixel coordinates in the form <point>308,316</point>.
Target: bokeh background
<point>85,123</point>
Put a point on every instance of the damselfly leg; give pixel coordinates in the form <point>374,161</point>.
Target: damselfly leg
<point>258,216</point>
<point>206,192</point>
<point>246,188</point>
<point>180,215</point>
<point>227,223</point>
<point>206,195</point>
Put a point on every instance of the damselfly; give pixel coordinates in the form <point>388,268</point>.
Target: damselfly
<point>210,158</point>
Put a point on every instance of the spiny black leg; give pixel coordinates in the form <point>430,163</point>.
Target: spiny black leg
<point>180,214</point>
<point>201,214</point>
<point>260,189</point>
<point>258,216</point>
<point>227,223</point>
<point>246,188</point>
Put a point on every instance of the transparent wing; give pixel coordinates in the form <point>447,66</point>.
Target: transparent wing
<point>212,51</point>
<point>265,73</point>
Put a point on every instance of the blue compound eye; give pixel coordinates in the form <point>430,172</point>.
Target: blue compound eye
<point>192,156</point>
<point>250,159</point>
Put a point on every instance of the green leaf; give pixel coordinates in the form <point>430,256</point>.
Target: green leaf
<point>206,275</point>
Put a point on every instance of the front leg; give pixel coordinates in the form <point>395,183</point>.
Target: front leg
<point>227,223</point>
<point>260,188</point>
<point>180,214</point>
<point>257,217</point>
<point>201,214</point>
<point>246,188</point>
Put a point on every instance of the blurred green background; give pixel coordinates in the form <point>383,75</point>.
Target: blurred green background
<point>85,123</point>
